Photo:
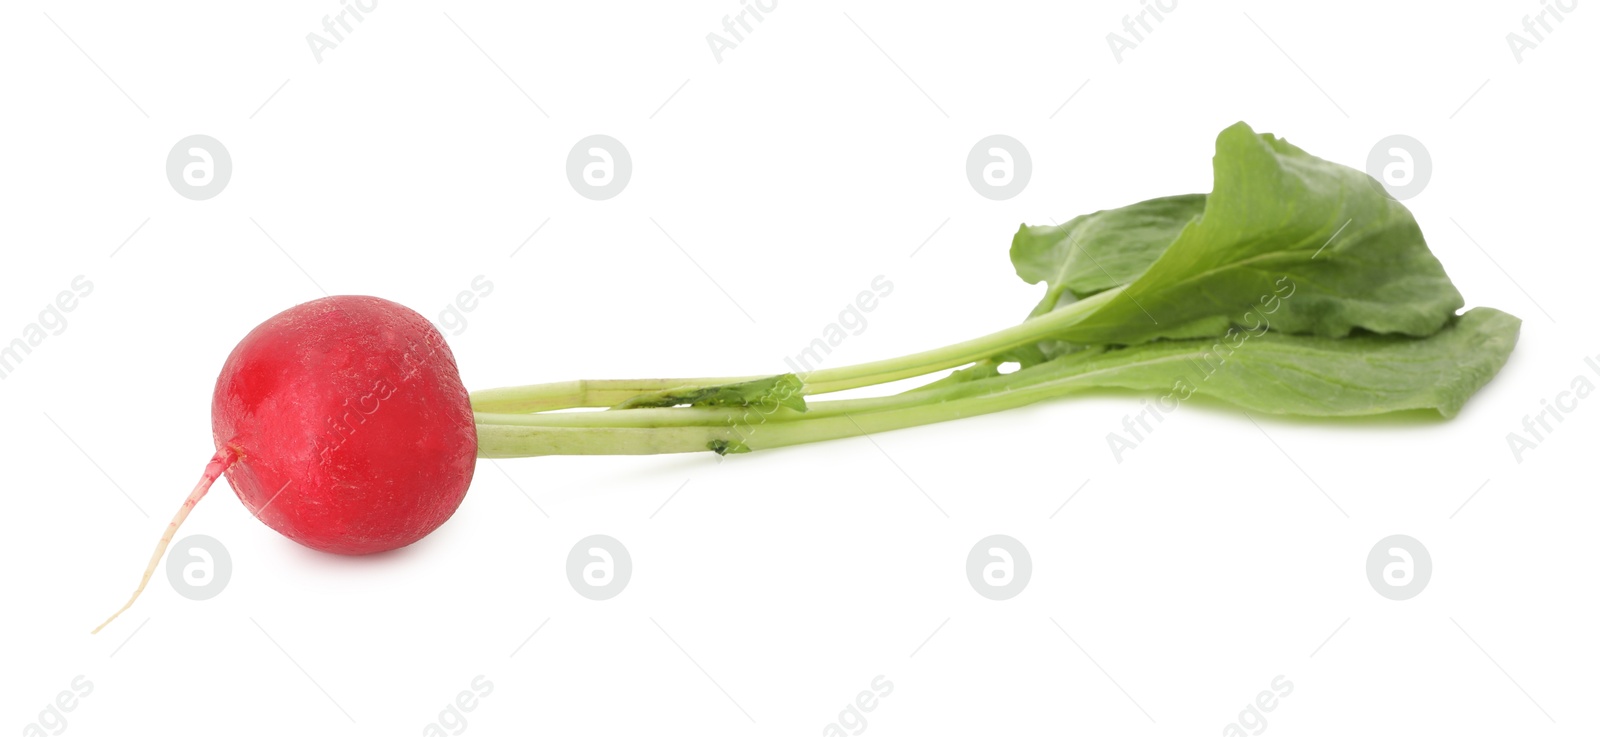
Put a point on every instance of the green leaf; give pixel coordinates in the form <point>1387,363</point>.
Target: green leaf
<point>1277,218</point>
<point>1102,250</point>
<point>1362,374</point>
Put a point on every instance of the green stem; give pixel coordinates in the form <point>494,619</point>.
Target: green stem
<point>692,429</point>
<point>515,441</point>
<point>1029,331</point>
<point>609,393</point>
<point>581,393</point>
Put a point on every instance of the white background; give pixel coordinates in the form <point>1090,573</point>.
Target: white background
<point>773,587</point>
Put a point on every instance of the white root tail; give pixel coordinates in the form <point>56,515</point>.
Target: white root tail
<point>219,463</point>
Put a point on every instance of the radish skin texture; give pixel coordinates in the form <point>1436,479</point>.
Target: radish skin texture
<point>352,429</point>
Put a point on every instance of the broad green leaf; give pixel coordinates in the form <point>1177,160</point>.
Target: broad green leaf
<point>1102,250</point>
<point>1278,218</point>
<point>1361,374</point>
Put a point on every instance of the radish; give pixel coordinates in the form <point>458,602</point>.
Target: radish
<point>1295,287</point>
<point>341,423</point>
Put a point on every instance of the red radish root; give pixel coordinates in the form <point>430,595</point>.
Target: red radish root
<point>219,463</point>
<point>343,424</point>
